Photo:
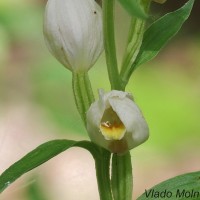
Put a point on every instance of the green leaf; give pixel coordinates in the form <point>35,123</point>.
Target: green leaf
<point>160,32</point>
<point>178,188</point>
<point>134,8</point>
<point>136,32</point>
<point>40,155</point>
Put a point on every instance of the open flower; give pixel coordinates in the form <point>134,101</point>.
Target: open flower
<point>116,123</point>
<point>73,32</point>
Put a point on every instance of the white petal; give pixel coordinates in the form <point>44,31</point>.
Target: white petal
<point>94,116</point>
<point>131,116</point>
<point>52,35</point>
<point>129,127</point>
<point>73,30</point>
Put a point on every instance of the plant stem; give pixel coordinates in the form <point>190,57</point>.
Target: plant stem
<point>122,179</point>
<point>136,32</point>
<point>82,93</point>
<point>109,43</point>
<point>102,163</point>
<point>133,46</point>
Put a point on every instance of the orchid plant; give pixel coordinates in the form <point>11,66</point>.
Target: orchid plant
<point>76,33</point>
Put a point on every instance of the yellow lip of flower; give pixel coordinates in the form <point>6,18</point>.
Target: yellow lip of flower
<point>116,123</point>
<point>111,126</point>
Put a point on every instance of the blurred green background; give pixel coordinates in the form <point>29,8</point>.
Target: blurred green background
<point>167,89</point>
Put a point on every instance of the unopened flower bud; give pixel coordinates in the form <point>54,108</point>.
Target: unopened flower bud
<point>73,32</point>
<point>116,123</point>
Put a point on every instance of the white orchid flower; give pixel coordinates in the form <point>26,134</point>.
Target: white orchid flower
<point>73,32</point>
<point>116,123</point>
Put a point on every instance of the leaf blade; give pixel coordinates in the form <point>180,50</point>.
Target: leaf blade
<point>39,156</point>
<point>134,8</point>
<point>160,32</point>
<point>187,182</point>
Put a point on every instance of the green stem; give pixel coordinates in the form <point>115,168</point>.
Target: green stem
<point>136,32</point>
<point>82,93</point>
<point>109,43</point>
<point>122,180</point>
<point>133,46</point>
<point>102,163</point>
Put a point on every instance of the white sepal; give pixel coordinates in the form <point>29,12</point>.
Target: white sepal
<point>73,32</point>
<point>116,123</point>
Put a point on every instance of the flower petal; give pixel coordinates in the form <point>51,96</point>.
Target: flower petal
<point>131,116</point>
<point>116,123</point>
<point>73,32</point>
